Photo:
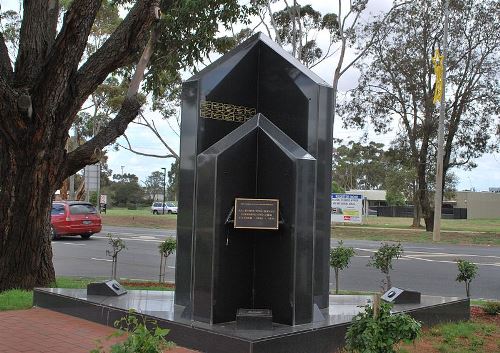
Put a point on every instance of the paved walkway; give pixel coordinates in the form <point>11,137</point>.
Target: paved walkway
<point>40,330</point>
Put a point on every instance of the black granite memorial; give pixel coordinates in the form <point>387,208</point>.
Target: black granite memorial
<point>401,296</point>
<point>106,288</point>
<point>253,233</point>
<point>256,124</point>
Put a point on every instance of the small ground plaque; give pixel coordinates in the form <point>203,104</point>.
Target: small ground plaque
<point>256,213</point>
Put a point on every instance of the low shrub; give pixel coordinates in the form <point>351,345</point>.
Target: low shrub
<point>492,308</point>
<point>380,334</point>
<point>139,339</point>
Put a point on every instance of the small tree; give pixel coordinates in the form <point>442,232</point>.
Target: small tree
<point>117,245</point>
<point>379,333</point>
<point>340,257</point>
<point>141,335</point>
<point>467,271</point>
<point>166,249</point>
<point>382,260</point>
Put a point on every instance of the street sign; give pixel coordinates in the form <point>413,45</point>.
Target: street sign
<point>347,208</point>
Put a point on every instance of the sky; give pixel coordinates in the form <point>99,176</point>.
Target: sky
<point>486,175</point>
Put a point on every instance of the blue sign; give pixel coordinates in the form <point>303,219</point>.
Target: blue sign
<point>346,196</point>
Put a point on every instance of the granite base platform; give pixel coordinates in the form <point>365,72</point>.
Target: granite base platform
<point>323,336</point>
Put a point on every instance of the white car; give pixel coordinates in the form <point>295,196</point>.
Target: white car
<point>170,208</point>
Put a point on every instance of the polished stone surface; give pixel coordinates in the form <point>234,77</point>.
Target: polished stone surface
<point>160,304</point>
<point>256,77</point>
<point>325,335</point>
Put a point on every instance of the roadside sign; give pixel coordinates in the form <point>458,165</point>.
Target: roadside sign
<point>347,208</point>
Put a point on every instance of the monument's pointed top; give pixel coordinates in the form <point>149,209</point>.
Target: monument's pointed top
<point>260,122</point>
<point>244,48</point>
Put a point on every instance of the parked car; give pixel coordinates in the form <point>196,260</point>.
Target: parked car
<point>74,218</point>
<point>157,208</point>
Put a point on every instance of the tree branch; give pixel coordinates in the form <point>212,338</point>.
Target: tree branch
<point>372,40</point>
<point>90,152</point>
<point>273,24</point>
<point>38,30</point>
<point>119,50</point>
<point>129,148</point>
<point>155,131</point>
<point>65,56</point>
<point>5,66</point>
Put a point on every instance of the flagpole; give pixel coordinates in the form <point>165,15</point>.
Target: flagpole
<point>438,195</point>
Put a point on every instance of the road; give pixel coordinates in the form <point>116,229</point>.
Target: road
<point>429,268</point>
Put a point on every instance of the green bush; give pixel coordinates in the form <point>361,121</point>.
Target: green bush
<point>131,206</point>
<point>492,308</point>
<point>467,271</point>
<point>369,334</point>
<point>382,260</point>
<point>340,257</point>
<point>140,339</point>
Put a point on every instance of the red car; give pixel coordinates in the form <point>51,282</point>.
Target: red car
<point>74,218</point>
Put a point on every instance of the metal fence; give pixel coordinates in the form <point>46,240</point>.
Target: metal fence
<point>407,211</point>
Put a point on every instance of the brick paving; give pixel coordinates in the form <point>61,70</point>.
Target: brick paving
<point>40,330</point>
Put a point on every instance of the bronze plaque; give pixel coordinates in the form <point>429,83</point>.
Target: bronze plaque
<point>256,213</point>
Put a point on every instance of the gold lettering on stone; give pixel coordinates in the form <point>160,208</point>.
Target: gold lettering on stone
<point>226,112</point>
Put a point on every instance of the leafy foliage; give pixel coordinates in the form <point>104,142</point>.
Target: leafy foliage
<point>125,190</point>
<point>117,244</point>
<point>397,84</point>
<point>296,28</point>
<point>154,184</point>
<point>358,166</point>
<point>395,198</point>
<point>340,257</point>
<point>139,339</point>
<point>173,181</point>
<point>369,334</point>
<point>336,188</point>
<point>467,271</point>
<point>167,247</point>
<point>382,260</point>
<point>492,308</point>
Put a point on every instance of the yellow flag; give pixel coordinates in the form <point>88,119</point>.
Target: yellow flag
<point>438,62</point>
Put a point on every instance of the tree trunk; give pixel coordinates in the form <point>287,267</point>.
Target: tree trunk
<point>26,194</point>
<point>336,281</point>
<point>425,204</point>
<point>388,282</point>
<point>417,214</point>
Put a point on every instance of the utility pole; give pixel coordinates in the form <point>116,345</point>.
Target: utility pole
<point>164,184</point>
<point>438,196</point>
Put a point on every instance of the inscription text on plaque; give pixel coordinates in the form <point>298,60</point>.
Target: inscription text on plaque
<point>256,213</point>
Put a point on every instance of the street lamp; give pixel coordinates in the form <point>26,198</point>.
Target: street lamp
<point>164,183</point>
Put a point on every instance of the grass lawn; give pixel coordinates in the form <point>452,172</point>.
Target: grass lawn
<point>17,299</point>
<point>455,231</point>
<point>479,335</point>
<point>414,236</point>
<point>461,225</point>
<point>458,231</point>
<point>141,217</point>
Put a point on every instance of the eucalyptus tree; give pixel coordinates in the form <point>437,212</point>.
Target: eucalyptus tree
<point>359,166</point>
<point>43,90</point>
<point>154,184</point>
<point>397,84</point>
